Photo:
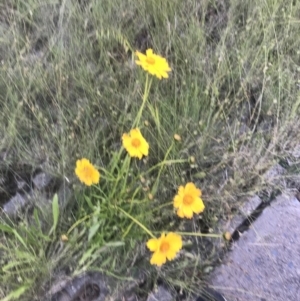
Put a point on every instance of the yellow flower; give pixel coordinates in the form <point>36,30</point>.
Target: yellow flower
<point>188,201</point>
<point>165,247</point>
<point>135,144</point>
<point>153,63</point>
<point>86,172</point>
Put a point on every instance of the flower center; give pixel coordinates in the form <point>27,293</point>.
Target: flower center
<point>187,199</point>
<point>164,247</point>
<point>135,142</point>
<point>87,171</point>
<point>150,60</point>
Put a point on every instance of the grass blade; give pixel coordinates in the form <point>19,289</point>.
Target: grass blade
<point>55,212</point>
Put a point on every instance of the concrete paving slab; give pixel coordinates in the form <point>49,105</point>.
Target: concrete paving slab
<point>244,212</point>
<point>264,263</point>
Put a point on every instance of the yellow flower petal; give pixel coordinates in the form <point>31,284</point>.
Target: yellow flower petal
<point>191,189</point>
<point>177,201</point>
<point>149,52</point>
<point>126,140</point>
<point>175,240</point>
<point>158,258</point>
<point>187,211</point>
<point>171,254</point>
<point>152,244</point>
<point>180,212</point>
<point>141,57</point>
<point>198,206</point>
<point>135,133</point>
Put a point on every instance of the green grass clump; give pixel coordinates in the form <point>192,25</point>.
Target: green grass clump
<point>70,88</point>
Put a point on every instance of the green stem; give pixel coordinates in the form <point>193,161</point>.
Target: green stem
<point>79,222</point>
<point>162,163</point>
<point>136,221</point>
<point>125,166</point>
<point>100,190</point>
<point>162,206</point>
<point>155,185</point>
<point>145,97</point>
<point>200,234</point>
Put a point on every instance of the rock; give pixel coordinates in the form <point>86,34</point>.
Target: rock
<point>42,180</point>
<point>22,185</point>
<point>94,286</point>
<point>19,191</point>
<point>15,205</point>
<point>8,185</point>
<point>91,286</point>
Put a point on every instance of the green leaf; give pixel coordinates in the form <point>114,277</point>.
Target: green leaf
<point>36,218</point>
<point>87,255</point>
<point>89,202</point>
<point>115,244</point>
<point>14,231</point>
<point>200,175</point>
<point>6,228</point>
<point>17,235</point>
<point>93,231</point>
<point>17,293</point>
<point>55,212</point>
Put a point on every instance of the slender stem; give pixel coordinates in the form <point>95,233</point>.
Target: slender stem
<point>145,97</point>
<point>162,206</point>
<point>79,222</point>
<point>155,185</point>
<point>136,221</point>
<point>200,234</point>
<point>164,162</point>
<point>126,162</point>
<point>100,190</point>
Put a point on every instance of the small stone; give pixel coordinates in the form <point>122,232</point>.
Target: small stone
<point>91,285</point>
<point>42,180</point>
<point>14,205</point>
